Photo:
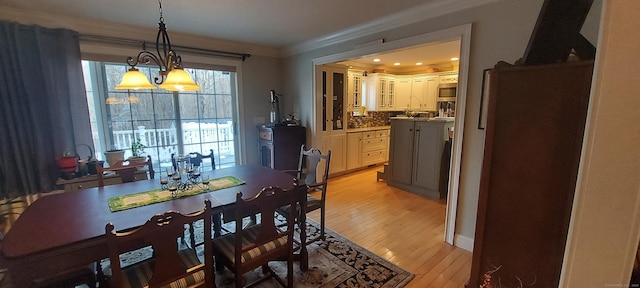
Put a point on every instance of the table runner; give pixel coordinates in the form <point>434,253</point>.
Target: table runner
<point>129,201</point>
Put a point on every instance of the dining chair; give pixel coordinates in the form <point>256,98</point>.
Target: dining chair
<point>170,266</point>
<point>313,170</point>
<point>255,246</point>
<point>194,158</point>
<point>125,169</point>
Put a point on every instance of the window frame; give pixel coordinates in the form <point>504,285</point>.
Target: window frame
<point>100,92</point>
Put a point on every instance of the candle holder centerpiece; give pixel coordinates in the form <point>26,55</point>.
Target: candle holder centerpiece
<point>186,177</point>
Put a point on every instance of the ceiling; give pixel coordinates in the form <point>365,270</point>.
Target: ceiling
<point>272,23</point>
<point>277,24</point>
<point>429,55</point>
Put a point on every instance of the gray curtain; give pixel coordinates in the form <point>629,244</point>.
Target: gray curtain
<point>43,103</point>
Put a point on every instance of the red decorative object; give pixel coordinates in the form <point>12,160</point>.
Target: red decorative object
<point>67,164</point>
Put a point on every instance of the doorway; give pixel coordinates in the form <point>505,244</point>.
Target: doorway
<point>461,33</point>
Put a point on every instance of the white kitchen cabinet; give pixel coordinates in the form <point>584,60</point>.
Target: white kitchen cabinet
<point>424,93</point>
<point>354,90</point>
<point>367,148</point>
<point>415,155</point>
<point>380,92</point>
<point>332,80</point>
<point>402,93</point>
<point>374,147</point>
<point>449,77</point>
<point>417,92</point>
<point>337,143</point>
<point>391,93</point>
<point>354,141</point>
<point>429,102</point>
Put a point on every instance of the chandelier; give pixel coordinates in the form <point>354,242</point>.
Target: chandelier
<point>172,76</point>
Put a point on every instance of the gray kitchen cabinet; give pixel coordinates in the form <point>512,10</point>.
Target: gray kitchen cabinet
<point>401,152</point>
<point>428,152</point>
<point>416,154</point>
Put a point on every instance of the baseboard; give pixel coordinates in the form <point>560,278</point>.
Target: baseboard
<point>463,242</point>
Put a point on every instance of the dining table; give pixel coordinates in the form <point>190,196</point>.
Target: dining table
<point>63,231</point>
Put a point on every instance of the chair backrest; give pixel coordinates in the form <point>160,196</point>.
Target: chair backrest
<point>266,202</point>
<point>315,162</point>
<point>126,169</point>
<point>194,158</point>
<point>161,232</point>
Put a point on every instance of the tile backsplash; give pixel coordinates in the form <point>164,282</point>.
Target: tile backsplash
<point>373,119</point>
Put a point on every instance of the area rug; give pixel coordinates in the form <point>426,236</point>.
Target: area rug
<point>335,262</point>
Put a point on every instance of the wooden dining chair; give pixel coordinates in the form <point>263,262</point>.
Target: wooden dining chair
<point>252,247</point>
<point>125,169</point>
<point>313,170</point>
<point>170,266</point>
<point>194,158</point>
<point>197,158</point>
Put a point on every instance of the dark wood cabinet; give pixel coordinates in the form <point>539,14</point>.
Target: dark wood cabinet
<point>280,146</point>
<point>534,133</point>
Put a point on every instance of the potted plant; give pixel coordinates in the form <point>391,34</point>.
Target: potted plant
<point>137,148</point>
<point>114,155</point>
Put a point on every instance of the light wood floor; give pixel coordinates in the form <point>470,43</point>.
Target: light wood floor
<point>402,227</point>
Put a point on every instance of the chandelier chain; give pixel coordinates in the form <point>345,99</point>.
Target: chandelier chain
<point>160,10</point>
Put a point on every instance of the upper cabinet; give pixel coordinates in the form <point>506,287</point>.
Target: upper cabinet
<point>403,92</point>
<point>449,77</point>
<point>430,94</point>
<point>381,91</point>
<point>354,90</point>
<point>386,92</point>
<point>417,92</point>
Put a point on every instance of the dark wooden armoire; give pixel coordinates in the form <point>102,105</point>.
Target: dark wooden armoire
<point>280,146</point>
<point>534,132</point>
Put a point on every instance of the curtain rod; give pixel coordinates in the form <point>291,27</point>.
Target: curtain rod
<point>209,52</point>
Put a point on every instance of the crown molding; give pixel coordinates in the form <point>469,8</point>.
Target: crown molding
<point>422,12</point>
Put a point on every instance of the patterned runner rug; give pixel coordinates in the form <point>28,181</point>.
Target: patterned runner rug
<point>335,262</point>
<point>129,201</point>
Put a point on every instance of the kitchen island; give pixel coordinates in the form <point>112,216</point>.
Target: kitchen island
<point>416,155</point>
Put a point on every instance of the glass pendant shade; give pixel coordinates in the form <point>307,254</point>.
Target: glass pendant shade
<point>134,79</point>
<point>179,80</point>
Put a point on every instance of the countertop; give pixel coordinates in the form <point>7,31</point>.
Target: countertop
<point>364,129</point>
<point>435,119</point>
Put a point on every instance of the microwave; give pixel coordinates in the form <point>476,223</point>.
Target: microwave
<point>447,92</point>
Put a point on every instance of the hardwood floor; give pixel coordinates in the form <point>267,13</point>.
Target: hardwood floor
<point>402,227</point>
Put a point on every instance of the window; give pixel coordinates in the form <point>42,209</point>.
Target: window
<point>166,123</point>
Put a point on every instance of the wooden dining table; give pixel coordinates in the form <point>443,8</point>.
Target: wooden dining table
<point>62,231</point>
